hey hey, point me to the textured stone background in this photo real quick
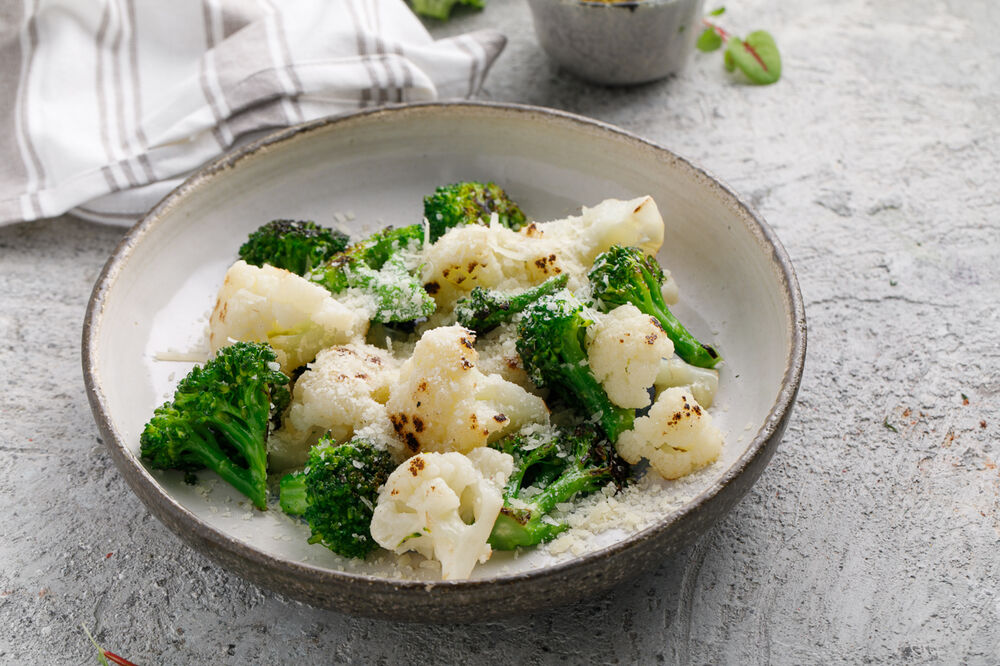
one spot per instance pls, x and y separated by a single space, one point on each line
873 535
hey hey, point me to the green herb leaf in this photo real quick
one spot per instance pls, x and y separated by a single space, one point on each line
757 57
717 12
729 62
888 425
709 41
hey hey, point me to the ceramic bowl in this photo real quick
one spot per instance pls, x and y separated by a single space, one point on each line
618 43
373 168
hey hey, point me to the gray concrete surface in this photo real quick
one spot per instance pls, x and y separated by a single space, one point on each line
872 537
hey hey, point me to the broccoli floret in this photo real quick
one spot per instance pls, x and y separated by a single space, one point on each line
296 246
385 244
485 309
336 494
547 472
372 253
469 203
550 341
623 275
399 296
441 9
219 419
374 266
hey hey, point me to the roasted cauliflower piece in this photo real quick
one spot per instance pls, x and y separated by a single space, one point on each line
702 382
635 223
268 304
343 391
443 505
443 402
676 436
624 348
493 257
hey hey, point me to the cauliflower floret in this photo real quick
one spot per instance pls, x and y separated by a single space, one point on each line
268 304
495 468
488 256
676 436
702 382
342 391
635 223
443 505
624 349
670 291
442 402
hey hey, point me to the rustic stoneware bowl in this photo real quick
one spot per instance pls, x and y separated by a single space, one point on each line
372 168
618 43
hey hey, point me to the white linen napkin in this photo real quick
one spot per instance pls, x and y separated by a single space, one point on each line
109 104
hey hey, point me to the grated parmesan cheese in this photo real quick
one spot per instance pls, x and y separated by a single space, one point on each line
175 356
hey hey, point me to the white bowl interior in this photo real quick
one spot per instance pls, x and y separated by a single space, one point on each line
376 169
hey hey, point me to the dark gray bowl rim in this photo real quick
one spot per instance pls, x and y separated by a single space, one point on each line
163 505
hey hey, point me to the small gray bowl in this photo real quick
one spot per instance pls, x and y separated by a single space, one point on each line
618 43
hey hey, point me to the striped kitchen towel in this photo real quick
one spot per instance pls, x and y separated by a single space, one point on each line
109 104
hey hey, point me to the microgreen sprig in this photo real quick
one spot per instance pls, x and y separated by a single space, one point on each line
756 56
104 657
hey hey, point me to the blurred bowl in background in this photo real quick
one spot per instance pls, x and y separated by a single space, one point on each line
618 43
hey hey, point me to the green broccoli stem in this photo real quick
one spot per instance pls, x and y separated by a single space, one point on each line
510 532
685 344
576 373
555 471
484 310
294 498
204 447
247 439
574 480
613 420
524 527
523 464
532 294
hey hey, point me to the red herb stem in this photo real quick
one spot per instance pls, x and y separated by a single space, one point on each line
121 661
718 30
725 37
756 55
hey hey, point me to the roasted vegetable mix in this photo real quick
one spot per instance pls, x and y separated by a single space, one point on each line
462 383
